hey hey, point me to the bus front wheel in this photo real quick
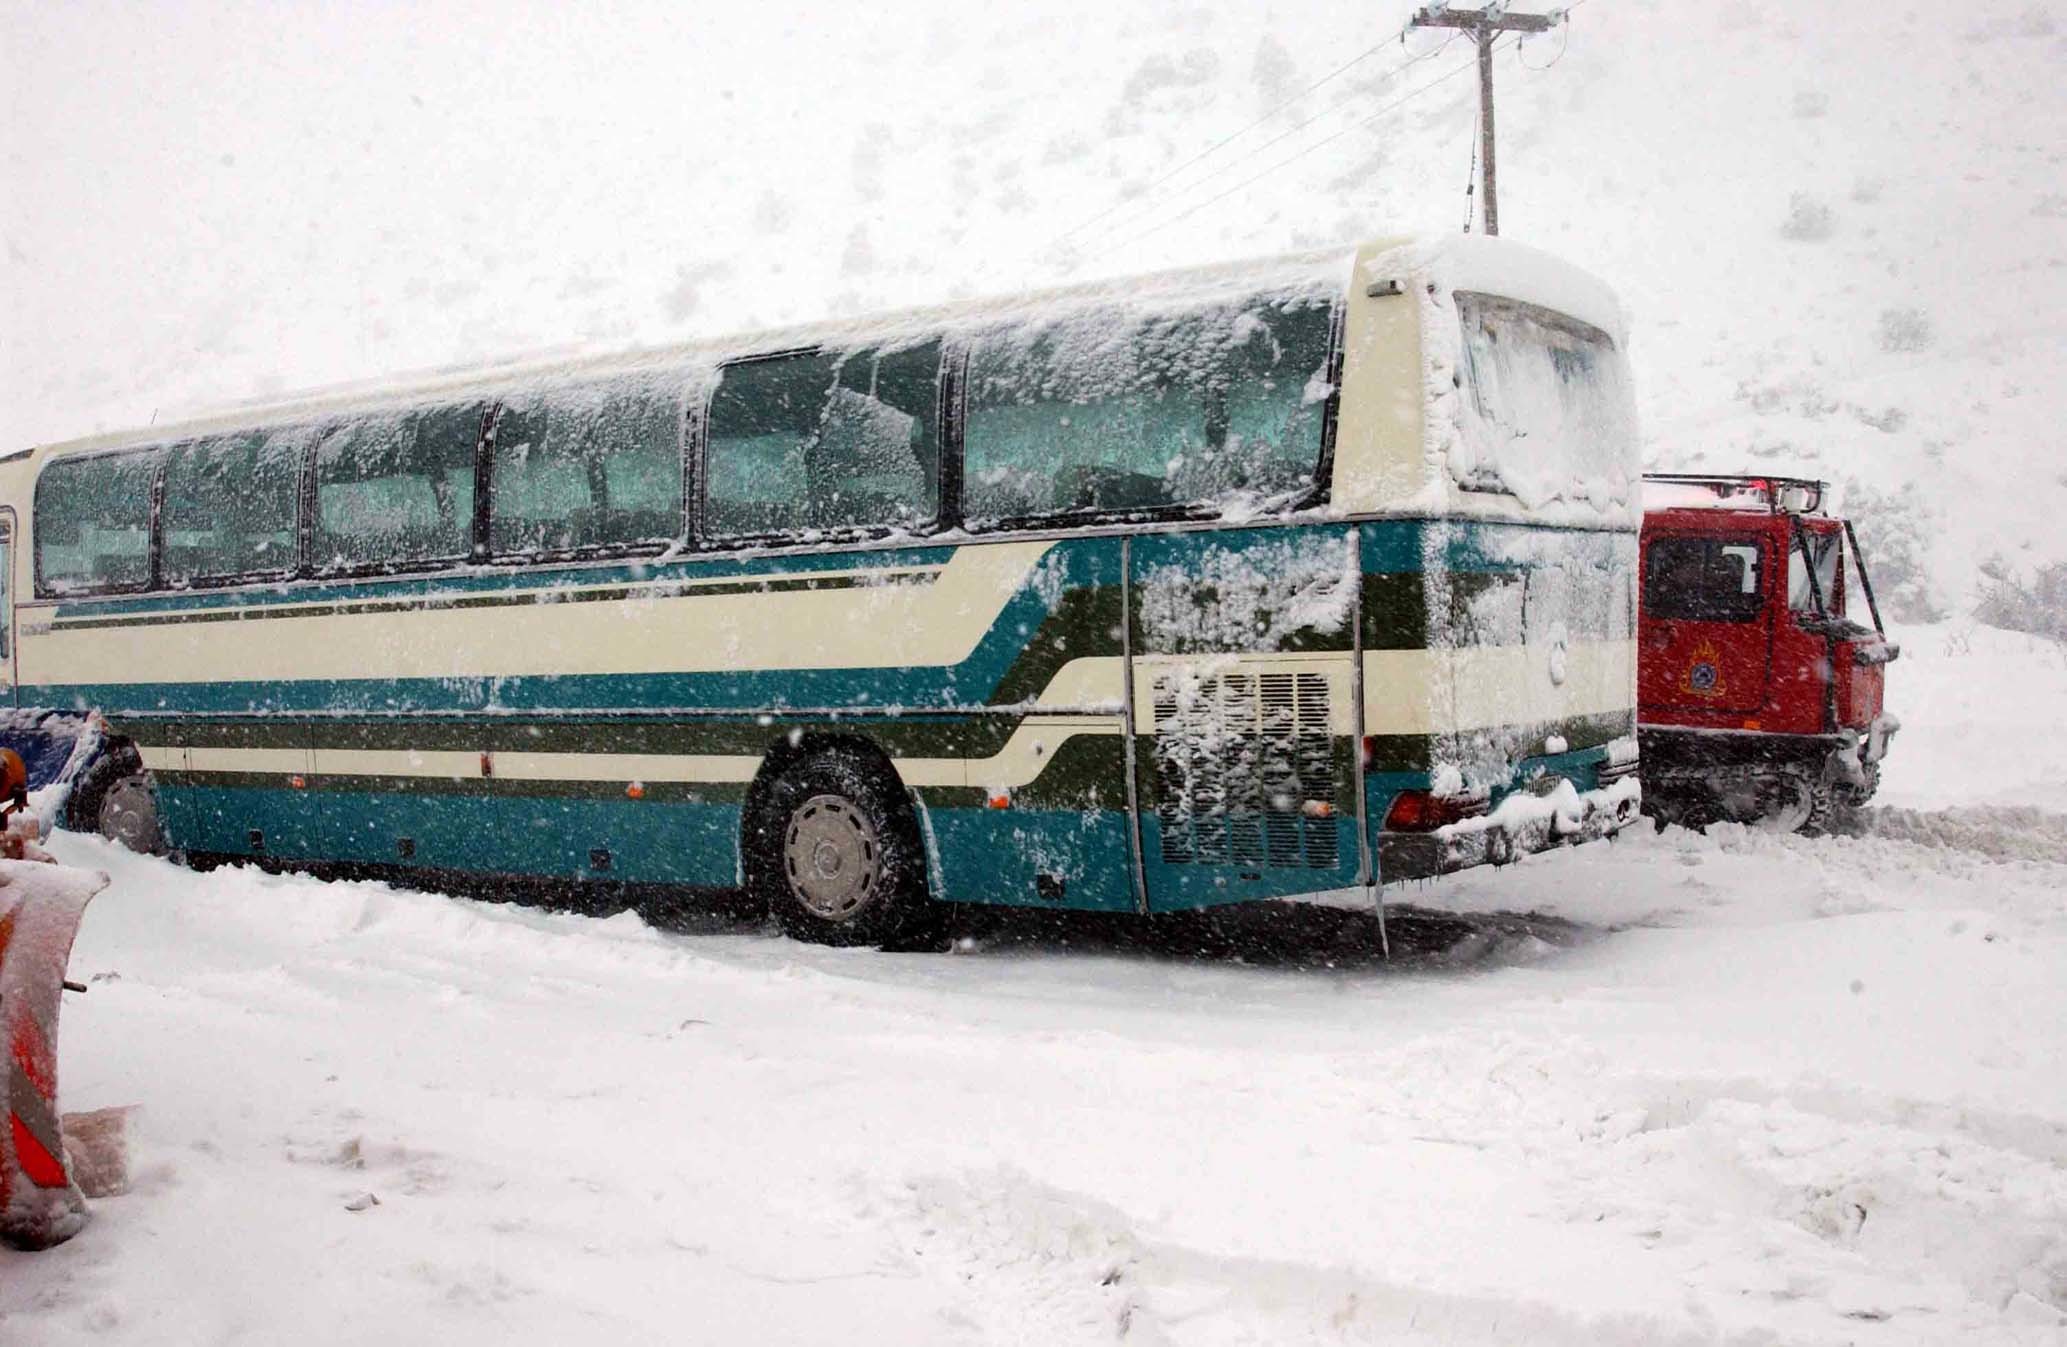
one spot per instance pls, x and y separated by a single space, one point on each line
837 855
129 815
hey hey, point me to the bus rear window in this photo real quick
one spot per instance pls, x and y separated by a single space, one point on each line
93 523
1548 413
1704 579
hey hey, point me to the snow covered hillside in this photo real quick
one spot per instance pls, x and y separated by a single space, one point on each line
1841 229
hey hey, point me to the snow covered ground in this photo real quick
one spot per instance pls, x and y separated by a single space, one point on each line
1735 1088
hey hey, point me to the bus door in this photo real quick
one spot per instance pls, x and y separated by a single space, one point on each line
1707 626
1240 673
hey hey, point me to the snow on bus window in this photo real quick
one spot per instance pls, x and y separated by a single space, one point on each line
1115 410
825 440
231 505
93 522
1547 413
1236 594
397 489
590 466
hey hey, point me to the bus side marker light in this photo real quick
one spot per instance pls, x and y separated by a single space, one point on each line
487 763
298 782
636 790
1318 808
1752 725
1001 800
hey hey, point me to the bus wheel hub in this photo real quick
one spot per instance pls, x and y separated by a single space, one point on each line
832 855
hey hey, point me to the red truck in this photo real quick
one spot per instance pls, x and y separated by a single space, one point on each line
1759 698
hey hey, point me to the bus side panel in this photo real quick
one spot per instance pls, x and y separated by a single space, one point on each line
1244 716
1037 815
641 842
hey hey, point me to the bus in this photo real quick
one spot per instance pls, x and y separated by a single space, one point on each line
1258 581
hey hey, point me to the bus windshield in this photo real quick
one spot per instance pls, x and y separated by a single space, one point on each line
1547 411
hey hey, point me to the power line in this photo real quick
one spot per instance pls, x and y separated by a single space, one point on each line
1152 206
1227 140
1471 176
1564 40
1322 143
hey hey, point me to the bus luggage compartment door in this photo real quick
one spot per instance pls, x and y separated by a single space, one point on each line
1240 652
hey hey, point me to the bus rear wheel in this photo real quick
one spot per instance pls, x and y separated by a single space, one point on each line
837 857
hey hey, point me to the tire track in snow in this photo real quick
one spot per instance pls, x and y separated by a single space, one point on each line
2006 834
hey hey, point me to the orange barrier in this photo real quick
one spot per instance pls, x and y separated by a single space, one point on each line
40 908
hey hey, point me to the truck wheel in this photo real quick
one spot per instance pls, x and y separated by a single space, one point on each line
129 815
1798 803
1855 797
839 860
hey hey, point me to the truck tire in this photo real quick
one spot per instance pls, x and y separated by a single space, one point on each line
1798 803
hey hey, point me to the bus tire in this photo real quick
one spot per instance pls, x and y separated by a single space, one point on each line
836 853
117 761
128 814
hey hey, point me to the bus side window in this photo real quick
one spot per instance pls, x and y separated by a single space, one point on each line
825 440
1116 411
596 466
93 523
397 489
231 506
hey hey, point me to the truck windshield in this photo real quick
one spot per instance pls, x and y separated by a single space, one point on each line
1801 596
1704 579
1547 412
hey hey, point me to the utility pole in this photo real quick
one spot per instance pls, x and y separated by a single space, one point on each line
1486 25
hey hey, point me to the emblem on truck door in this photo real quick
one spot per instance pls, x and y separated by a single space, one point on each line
1704 672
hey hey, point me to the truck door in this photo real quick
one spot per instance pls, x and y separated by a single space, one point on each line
1706 624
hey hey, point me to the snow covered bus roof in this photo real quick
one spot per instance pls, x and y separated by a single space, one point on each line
1471 263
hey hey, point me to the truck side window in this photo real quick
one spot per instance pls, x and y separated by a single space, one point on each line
1705 579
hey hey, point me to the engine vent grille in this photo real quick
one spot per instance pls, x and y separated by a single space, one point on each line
1245 770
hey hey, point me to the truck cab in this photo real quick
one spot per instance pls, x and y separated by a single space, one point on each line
1759 692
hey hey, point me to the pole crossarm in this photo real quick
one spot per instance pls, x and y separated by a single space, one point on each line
1491 19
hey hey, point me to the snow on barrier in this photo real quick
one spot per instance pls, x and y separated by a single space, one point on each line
40 908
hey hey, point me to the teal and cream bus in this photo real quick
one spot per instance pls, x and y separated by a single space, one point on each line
1268 580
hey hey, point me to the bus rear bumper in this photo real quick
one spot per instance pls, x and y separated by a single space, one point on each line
1522 824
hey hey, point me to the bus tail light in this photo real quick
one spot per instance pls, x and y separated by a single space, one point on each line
1423 811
